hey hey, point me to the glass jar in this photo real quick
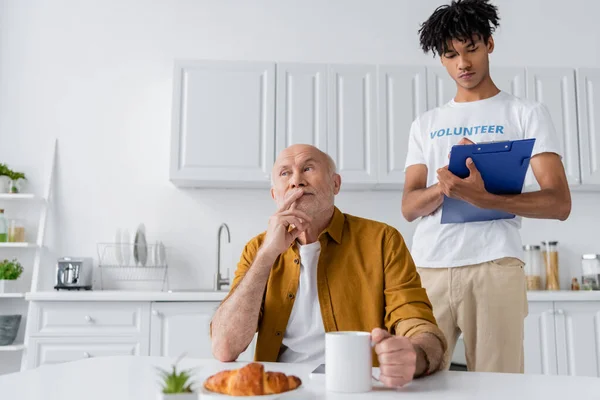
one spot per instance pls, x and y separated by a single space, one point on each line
16 231
14 186
550 257
533 267
3 227
590 272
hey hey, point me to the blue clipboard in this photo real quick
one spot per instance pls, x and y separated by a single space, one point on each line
502 165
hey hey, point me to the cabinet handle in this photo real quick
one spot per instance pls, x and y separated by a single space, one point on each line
88 318
560 312
86 354
156 313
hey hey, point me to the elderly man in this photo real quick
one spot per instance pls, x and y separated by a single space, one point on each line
317 270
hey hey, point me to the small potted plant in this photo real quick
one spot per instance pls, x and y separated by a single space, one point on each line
4 171
10 271
176 385
13 184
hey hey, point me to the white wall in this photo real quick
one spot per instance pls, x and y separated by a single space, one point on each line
98 76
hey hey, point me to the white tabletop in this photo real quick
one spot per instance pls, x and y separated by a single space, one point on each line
213 296
133 378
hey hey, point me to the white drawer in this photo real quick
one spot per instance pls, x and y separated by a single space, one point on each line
90 318
59 350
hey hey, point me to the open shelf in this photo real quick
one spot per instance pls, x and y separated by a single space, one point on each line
17 244
12 295
13 347
17 196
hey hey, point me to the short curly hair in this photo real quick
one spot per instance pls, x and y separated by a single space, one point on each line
461 20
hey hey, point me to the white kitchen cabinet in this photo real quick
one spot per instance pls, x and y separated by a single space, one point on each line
560 338
61 331
352 123
301 111
441 88
223 124
89 319
563 338
577 338
55 350
402 98
588 82
555 88
540 339
510 79
183 328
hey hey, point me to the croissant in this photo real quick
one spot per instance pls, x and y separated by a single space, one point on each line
251 380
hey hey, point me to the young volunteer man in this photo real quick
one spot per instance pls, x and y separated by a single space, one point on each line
473 272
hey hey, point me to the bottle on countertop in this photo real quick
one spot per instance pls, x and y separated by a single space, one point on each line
533 267
3 227
574 284
550 257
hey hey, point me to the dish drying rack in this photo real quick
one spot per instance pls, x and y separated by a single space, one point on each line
121 267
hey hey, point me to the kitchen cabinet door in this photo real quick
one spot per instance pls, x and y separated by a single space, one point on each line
588 82
301 111
352 124
223 124
510 80
441 88
402 98
578 338
540 339
555 87
54 350
183 327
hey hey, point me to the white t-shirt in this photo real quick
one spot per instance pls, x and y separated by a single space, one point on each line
501 117
305 335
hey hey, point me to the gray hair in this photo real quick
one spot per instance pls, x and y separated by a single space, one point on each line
330 163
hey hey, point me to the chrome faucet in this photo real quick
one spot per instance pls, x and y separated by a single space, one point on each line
219 281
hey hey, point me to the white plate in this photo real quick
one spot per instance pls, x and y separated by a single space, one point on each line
140 246
126 247
162 254
154 255
118 254
298 393
142 249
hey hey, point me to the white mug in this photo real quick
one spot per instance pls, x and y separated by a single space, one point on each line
348 362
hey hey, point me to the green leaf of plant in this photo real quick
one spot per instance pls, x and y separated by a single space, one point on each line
10 269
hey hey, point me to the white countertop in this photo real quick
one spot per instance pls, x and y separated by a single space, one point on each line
117 295
208 295
564 295
133 378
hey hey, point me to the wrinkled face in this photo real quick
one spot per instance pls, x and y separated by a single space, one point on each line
468 62
304 167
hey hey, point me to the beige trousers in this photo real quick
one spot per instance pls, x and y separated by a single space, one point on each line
486 302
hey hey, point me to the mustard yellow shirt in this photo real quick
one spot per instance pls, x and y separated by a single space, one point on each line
366 278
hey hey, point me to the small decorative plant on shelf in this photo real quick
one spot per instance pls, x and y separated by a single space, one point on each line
4 171
10 271
176 385
13 176
13 184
